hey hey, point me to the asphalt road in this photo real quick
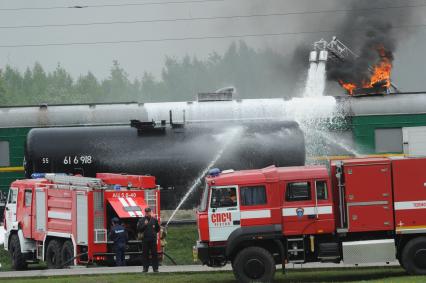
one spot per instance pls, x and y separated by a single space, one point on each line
163 269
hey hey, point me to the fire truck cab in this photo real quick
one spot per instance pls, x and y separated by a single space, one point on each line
64 220
365 210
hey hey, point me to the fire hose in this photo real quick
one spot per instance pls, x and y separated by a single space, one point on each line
71 259
163 235
170 258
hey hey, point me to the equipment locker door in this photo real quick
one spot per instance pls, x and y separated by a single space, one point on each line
27 212
369 197
224 212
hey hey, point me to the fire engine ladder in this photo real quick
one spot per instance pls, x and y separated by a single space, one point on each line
342 201
64 181
151 199
338 50
296 250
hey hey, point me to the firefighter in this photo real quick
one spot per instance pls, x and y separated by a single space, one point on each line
148 226
230 199
118 235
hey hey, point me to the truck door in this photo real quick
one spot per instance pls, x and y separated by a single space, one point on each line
298 208
307 208
224 212
11 208
27 213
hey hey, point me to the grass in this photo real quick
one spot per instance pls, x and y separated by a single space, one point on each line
180 240
373 275
6 264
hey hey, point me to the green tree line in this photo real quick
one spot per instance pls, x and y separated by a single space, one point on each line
254 73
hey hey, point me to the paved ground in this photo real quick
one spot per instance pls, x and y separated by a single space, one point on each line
163 269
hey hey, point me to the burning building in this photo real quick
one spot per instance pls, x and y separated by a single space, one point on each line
378 82
340 58
363 64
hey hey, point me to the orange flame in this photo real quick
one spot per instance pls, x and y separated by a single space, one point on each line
381 73
350 87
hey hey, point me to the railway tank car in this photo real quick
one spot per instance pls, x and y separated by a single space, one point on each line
176 154
16 122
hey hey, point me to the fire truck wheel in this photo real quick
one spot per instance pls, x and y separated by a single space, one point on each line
67 253
53 254
254 264
18 259
414 256
400 262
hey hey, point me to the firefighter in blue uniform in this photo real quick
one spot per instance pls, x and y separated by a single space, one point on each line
148 226
118 235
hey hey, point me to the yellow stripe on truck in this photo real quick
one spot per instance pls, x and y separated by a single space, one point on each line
410 227
334 157
11 169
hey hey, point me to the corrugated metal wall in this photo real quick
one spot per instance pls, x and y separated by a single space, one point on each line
363 128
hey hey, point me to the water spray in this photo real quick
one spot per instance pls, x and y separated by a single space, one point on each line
230 135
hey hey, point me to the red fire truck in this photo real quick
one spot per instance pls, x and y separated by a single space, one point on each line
64 220
357 211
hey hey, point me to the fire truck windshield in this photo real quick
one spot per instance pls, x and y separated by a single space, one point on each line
204 199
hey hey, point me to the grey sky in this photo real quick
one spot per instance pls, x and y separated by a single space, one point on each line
137 58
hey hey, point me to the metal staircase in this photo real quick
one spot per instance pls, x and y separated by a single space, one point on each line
296 250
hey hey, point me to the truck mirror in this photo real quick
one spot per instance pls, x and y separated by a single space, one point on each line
214 202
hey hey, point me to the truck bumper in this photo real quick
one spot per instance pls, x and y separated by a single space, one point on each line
210 256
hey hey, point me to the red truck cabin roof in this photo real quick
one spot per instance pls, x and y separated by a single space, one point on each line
269 174
29 182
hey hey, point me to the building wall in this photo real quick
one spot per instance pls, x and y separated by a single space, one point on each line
363 128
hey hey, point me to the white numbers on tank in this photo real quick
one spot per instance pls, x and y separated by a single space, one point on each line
86 159
45 160
78 160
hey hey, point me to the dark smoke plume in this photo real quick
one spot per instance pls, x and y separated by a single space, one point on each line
370 34
362 30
